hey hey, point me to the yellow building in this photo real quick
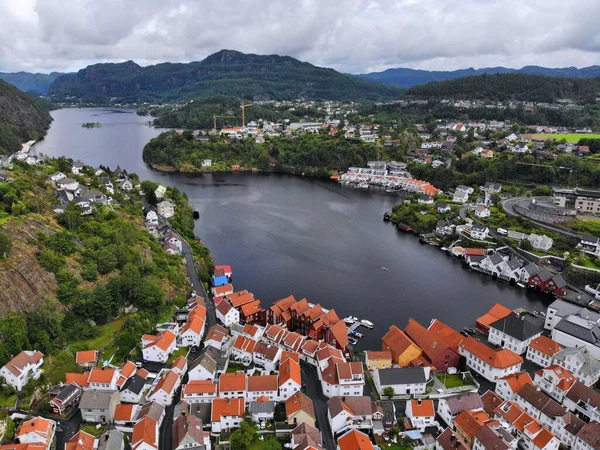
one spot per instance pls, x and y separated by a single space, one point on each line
403 349
378 360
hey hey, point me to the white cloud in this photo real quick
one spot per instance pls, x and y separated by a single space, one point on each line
348 35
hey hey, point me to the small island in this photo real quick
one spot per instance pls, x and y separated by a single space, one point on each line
91 125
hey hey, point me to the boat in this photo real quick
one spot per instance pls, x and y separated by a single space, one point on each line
521 284
384 268
404 227
352 341
349 320
392 191
362 185
444 249
367 323
387 216
356 334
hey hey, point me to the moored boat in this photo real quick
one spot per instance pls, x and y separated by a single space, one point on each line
387 216
367 323
404 227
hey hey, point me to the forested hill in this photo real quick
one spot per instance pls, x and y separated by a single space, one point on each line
227 72
21 118
37 83
501 87
407 78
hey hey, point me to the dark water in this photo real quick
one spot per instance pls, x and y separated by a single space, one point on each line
311 238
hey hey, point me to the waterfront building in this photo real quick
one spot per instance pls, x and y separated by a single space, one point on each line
378 359
491 364
435 351
541 351
515 332
405 381
403 349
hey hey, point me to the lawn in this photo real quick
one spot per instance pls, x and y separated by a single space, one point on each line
234 367
105 338
4 219
180 352
56 366
7 401
91 428
452 381
568 137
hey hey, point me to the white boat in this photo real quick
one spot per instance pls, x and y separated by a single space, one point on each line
367 323
349 320
362 185
521 285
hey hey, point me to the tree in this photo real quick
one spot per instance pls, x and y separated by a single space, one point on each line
5 246
271 443
525 245
244 436
389 392
9 432
394 431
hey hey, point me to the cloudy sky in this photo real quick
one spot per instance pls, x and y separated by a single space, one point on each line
348 35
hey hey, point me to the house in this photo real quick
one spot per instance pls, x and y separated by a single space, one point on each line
490 364
450 407
547 282
435 350
541 351
227 413
233 385
583 150
160 192
216 336
345 413
242 349
528 271
354 440
166 209
81 441
540 242
266 355
299 409
583 401
449 440
443 227
468 423
260 386
35 431
378 359
77 167
227 314
126 185
188 433
165 389
527 429
560 309
580 363
158 348
489 438
421 413
340 378
482 212
566 427
127 371
515 332
555 381
290 378
496 313
68 184
588 437
539 405
306 437
262 409
57 176
460 196
199 391
132 390
404 380
443 208
23 367
508 386
212 362
64 398
145 434
580 330
590 244
403 349
191 333
480 232
87 358
425 200
221 291
98 406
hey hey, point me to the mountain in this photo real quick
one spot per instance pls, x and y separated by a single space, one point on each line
21 118
410 77
37 83
502 87
227 72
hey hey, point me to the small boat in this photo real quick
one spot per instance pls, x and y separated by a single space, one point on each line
521 284
362 185
349 320
384 268
196 215
387 216
392 191
356 334
444 249
367 323
404 227
352 341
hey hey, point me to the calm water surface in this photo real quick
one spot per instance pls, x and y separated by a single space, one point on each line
290 235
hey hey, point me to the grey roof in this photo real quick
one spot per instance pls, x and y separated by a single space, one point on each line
587 334
490 185
532 269
495 258
521 328
261 407
490 440
513 264
152 409
94 399
588 365
458 403
592 239
442 206
564 308
476 258
66 391
402 375
581 392
66 181
111 440
559 281
478 227
134 384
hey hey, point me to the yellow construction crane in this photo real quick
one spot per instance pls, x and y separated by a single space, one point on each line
244 113
215 121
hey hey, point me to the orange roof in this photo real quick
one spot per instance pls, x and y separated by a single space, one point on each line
422 408
145 431
251 308
222 407
373 355
81 441
427 341
355 440
497 312
239 300
80 379
37 425
180 363
397 341
229 382
200 387
475 251
222 290
285 355
299 401
471 421
163 340
289 370
198 311
262 383
244 344
167 382
542 439
86 357
124 413
282 305
546 345
340 333
517 380
500 359
567 379
103 375
143 373
194 325
447 334
128 369
250 329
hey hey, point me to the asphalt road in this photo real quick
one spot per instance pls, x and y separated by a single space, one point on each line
314 391
69 428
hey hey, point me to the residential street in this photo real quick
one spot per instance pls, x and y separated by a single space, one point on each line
313 390
509 208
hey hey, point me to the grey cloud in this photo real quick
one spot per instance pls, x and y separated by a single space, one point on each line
348 35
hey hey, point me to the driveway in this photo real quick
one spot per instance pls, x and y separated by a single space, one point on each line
314 391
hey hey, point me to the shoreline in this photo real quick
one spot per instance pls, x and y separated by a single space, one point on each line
304 172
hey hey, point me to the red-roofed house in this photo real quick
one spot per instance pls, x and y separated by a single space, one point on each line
447 334
341 378
555 381
145 434
496 313
21 368
227 413
252 312
491 364
158 348
262 386
403 349
222 291
242 349
354 440
36 431
232 385
87 358
199 391
81 441
290 378
227 314
103 379
435 350
421 413
541 350
193 330
279 312
508 386
165 389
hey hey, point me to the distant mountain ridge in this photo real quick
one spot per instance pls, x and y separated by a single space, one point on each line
407 78
227 72
37 83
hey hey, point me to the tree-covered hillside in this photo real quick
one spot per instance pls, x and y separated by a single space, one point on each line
502 87
21 119
227 72
37 83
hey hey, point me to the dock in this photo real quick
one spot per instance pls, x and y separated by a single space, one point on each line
355 326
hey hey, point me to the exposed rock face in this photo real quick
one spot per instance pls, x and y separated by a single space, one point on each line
24 284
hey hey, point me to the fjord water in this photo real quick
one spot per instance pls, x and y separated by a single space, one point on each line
285 235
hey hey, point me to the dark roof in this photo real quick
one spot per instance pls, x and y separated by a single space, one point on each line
261 407
134 384
591 335
590 434
513 264
580 391
495 258
491 401
478 227
387 407
540 401
402 375
66 391
153 410
490 439
531 269
458 403
449 440
521 328
559 281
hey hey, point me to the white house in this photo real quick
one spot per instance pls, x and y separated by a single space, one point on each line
340 378
554 381
146 433
158 348
482 212
103 379
152 217
540 242
166 209
23 367
460 196
421 413
541 351
36 431
242 349
346 413
490 364
480 232
515 332
58 176
133 389
559 309
188 433
580 363
262 386
165 389
450 407
227 413
206 162
266 356
160 192
191 333
227 314
566 427
508 386
290 379
199 391
577 330
587 438
67 184
216 336
77 167
405 381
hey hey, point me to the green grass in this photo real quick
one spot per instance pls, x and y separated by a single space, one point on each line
395 446
7 401
90 428
452 381
234 367
585 260
176 354
572 137
105 338
56 366
4 219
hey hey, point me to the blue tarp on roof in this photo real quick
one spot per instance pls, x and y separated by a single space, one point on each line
220 281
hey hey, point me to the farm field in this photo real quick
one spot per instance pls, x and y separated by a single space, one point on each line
568 137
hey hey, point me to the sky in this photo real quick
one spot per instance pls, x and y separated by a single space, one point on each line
354 36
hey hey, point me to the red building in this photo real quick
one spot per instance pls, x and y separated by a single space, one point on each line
435 350
279 312
545 281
